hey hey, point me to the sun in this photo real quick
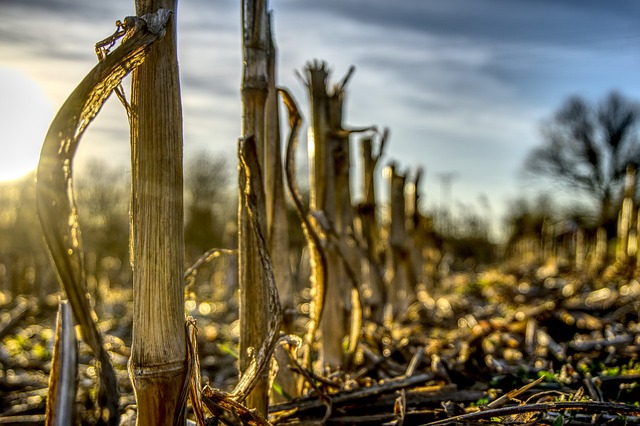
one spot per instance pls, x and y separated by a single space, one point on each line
25 115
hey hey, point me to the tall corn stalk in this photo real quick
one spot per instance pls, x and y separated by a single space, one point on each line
330 204
254 312
402 282
277 221
158 364
277 224
369 229
417 228
324 202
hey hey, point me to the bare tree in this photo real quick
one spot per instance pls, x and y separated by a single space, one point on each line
588 147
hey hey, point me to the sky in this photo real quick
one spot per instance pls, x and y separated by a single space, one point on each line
463 85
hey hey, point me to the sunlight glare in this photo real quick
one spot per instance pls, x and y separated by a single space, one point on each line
25 115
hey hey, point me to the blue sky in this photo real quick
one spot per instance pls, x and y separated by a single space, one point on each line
463 85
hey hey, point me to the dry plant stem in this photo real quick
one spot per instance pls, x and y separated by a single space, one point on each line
102 50
329 196
64 368
356 321
342 256
276 215
277 221
255 78
369 232
254 315
195 386
318 133
312 380
259 363
400 408
590 406
417 235
402 280
158 363
347 254
509 396
253 298
318 257
55 198
216 401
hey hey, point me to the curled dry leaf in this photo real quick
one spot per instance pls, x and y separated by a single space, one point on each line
55 199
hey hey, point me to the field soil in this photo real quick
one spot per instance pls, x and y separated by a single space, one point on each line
512 344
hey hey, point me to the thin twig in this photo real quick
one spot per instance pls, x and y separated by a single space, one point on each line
591 406
513 394
304 404
208 256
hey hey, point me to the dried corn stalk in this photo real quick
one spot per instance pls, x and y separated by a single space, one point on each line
369 231
254 313
401 279
277 222
333 216
158 366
